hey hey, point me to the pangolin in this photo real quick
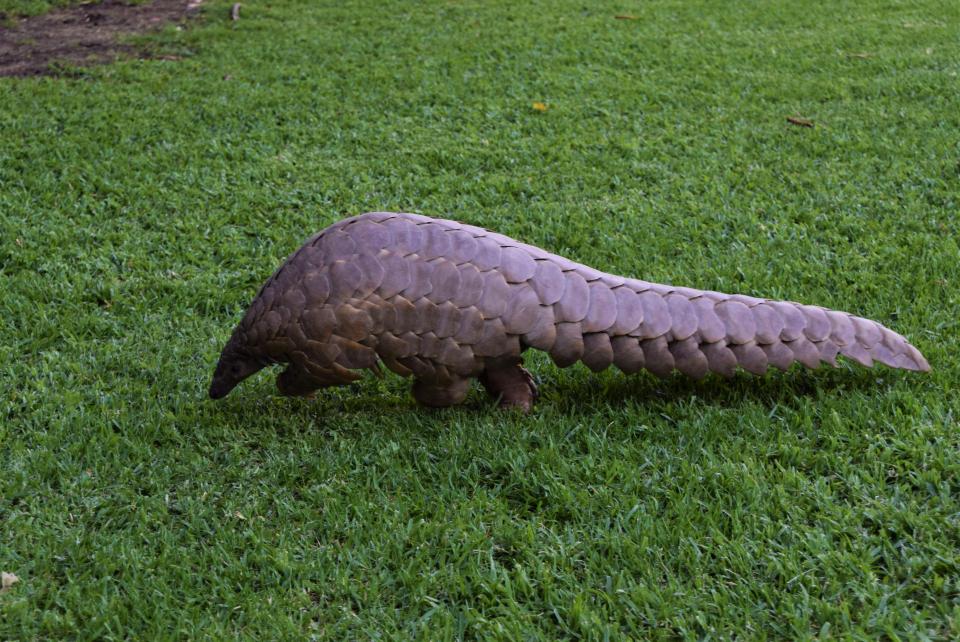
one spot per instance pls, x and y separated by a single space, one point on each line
445 302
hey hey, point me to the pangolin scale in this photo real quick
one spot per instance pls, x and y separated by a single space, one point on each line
444 302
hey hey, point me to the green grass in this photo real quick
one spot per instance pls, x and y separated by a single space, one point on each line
142 204
11 9
22 8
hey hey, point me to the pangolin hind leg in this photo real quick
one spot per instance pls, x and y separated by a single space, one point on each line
510 383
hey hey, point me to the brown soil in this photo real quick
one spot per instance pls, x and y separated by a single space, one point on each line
82 35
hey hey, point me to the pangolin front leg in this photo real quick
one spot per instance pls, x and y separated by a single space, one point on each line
295 381
446 302
440 394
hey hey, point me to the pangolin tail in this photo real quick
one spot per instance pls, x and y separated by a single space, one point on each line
699 332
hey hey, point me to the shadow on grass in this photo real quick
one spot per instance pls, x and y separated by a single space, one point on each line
775 388
576 393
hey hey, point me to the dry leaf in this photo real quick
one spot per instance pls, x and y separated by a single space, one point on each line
240 516
7 580
540 106
800 122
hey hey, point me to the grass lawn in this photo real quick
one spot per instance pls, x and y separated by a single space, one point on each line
143 203
10 9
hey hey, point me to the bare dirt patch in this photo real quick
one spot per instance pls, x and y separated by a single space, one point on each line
82 35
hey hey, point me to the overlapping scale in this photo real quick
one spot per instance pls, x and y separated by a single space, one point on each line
471 286
627 354
842 331
543 333
597 351
738 321
575 301
683 317
548 282
778 355
688 358
656 315
710 327
657 356
523 310
769 323
516 265
720 358
818 325
495 296
409 238
793 320
438 242
444 279
420 280
369 234
750 357
629 311
488 254
568 346
602 308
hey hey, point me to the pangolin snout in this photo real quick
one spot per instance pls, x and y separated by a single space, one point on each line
220 389
234 366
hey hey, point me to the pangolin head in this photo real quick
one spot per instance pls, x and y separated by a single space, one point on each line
237 362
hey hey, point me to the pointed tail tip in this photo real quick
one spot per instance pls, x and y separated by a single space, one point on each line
921 364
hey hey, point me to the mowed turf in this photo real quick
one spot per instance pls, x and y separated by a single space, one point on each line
143 203
11 10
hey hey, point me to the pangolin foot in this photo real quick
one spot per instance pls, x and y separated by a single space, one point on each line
512 384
